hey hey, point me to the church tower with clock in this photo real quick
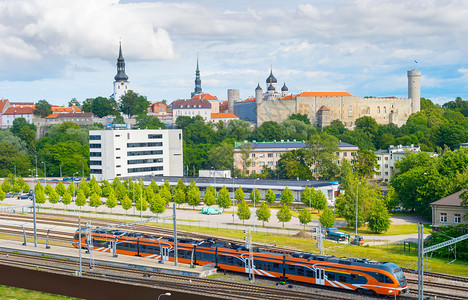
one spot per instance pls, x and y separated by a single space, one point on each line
121 84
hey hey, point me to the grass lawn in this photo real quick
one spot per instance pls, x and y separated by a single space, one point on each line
390 253
392 230
7 292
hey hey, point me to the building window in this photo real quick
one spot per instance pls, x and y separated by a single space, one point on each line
253 164
148 152
154 136
443 217
457 219
261 155
278 154
117 135
145 169
144 161
386 173
345 154
94 146
270 163
152 144
337 153
253 154
95 154
96 171
270 154
117 149
386 165
262 163
95 162
94 137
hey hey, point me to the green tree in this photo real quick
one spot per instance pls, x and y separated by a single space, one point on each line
100 106
48 189
106 188
84 187
193 195
111 201
2 194
133 104
209 198
40 197
25 187
165 194
305 217
255 196
94 187
126 203
37 187
60 188
319 201
287 196
326 218
141 204
263 213
16 187
118 120
157 205
378 218
239 194
54 198
72 189
270 196
295 164
322 156
95 201
284 214
6 186
365 163
179 196
181 186
243 211
149 122
42 108
246 160
66 198
221 157
73 101
301 117
154 186
80 199
224 199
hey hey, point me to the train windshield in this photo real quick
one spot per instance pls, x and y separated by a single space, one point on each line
400 277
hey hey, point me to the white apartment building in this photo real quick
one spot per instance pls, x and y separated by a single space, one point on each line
386 160
135 153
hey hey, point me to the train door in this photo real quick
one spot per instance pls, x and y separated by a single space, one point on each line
320 276
165 253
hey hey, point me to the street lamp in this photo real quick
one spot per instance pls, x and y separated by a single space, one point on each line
357 199
76 173
214 177
45 172
15 168
255 200
166 294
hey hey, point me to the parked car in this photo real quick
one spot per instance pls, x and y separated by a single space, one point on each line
211 211
77 179
334 234
65 179
25 196
358 240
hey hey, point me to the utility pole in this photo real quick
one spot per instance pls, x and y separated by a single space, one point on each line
174 218
249 264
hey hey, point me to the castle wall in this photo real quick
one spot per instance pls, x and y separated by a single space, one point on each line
345 108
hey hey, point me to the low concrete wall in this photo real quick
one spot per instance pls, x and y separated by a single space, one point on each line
73 286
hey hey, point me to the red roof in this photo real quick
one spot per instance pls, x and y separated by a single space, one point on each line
52 116
22 103
224 116
75 115
3 102
323 107
12 110
205 97
56 109
252 99
191 103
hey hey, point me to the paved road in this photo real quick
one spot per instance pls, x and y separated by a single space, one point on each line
188 216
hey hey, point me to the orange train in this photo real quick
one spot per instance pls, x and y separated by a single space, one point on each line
360 275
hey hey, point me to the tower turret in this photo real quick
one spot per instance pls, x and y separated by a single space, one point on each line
284 90
258 94
198 88
121 84
271 79
414 89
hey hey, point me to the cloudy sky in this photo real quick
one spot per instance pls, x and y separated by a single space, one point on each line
62 49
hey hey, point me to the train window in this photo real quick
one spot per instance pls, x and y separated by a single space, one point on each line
267 267
275 265
222 258
331 276
310 273
230 260
258 265
291 267
240 263
300 271
342 278
385 279
354 276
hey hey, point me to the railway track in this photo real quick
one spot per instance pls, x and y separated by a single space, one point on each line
222 289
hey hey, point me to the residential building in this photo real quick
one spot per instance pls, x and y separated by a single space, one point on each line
80 118
386 160
215 103
191 108
449 211
15 112
158 109
135 153
225 117
4 105
269 153
71 109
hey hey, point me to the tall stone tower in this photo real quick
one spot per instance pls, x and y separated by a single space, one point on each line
233 96
258 94
414 89
121 84
198 88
